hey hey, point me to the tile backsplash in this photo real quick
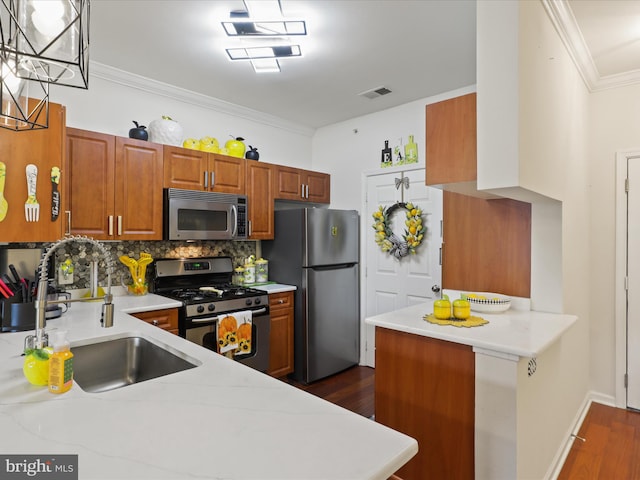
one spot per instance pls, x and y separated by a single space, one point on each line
81 254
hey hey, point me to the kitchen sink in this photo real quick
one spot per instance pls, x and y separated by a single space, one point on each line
110 364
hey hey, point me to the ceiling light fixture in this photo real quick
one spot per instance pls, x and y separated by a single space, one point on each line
24 102
264 59
263 19
244 28
50 39
252 53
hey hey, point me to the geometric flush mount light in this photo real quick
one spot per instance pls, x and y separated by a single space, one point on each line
245 28
24 101
49 38
264 59
259 21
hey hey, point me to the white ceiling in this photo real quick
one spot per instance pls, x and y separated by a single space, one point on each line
416 48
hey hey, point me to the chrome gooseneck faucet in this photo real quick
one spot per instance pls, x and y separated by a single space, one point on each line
40 339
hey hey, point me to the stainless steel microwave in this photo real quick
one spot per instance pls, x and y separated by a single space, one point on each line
197 215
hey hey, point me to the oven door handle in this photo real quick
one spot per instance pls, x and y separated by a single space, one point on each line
215 319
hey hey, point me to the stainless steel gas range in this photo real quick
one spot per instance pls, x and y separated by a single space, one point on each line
203 285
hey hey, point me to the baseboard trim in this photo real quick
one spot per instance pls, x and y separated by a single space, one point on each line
561 455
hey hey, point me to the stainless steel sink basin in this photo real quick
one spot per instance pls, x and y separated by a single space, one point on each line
107 365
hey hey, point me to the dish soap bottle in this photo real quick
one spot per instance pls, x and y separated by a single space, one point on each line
60 364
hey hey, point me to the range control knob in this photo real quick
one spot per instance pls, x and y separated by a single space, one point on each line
248 302
258 301
200 308
211 307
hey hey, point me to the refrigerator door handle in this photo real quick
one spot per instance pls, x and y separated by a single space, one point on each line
333 267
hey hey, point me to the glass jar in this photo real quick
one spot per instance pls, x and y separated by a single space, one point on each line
238 276
249 274
262 270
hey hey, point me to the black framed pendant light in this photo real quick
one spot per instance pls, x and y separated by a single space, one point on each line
50 39
24 101
43 42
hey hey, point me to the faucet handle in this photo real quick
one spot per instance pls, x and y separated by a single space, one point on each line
31 343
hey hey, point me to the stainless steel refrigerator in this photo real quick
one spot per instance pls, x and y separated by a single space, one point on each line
317 250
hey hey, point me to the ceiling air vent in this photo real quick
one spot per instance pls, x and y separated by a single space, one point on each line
375 92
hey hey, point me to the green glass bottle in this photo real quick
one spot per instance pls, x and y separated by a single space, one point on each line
411 151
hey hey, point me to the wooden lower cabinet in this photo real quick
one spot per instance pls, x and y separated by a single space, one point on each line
425 388
281 336
166 319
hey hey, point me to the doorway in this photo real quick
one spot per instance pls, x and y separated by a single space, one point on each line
628 280
391 283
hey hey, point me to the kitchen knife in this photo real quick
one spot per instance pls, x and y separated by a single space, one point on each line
14 272
55 194
10 283
5 290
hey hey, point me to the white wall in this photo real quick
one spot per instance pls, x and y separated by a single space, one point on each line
345 154
115 98
614 120
551 112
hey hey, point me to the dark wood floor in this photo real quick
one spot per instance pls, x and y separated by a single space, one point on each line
611 450
351 389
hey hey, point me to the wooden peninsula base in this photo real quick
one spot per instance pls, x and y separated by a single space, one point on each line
425 388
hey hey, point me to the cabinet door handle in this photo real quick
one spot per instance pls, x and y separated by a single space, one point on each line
249 224
307 192
206 179
213 179
119 224
155 322
68 213
302 190
281 301
110 232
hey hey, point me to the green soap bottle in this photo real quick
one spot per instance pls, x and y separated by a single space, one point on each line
411 151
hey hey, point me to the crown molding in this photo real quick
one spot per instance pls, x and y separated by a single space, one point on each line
131 80
567 27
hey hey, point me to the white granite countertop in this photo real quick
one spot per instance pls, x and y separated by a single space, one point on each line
218 420
523 333
276 287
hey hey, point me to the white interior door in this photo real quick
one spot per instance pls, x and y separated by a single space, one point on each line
633 282
391 284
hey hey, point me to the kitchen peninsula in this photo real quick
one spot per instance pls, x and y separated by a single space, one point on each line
218 420
462 392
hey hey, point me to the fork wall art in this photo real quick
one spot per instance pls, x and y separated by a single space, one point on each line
31 206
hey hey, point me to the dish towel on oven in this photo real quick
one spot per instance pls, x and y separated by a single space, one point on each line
234 333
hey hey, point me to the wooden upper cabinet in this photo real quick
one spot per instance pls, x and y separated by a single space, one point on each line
184 168
45 149
138 190
115 186
486 245
197 170
302 185
91 175
260 189
318 187
228 174
451 141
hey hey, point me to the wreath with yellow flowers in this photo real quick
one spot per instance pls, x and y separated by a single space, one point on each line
413 234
